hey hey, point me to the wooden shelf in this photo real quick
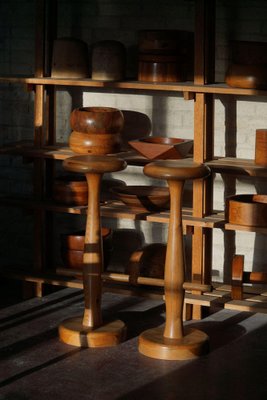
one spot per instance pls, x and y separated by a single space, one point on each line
255 299
237 166
61 152
216 88
229 165
116 209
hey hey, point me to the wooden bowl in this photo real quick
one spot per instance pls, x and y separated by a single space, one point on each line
72 248
247 209
97 120
146 198
89 143
71 190
148 261
247 76
75 241
162 147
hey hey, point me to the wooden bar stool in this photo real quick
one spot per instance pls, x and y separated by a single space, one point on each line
89 330
173 341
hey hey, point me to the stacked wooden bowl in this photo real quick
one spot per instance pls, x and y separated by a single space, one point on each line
70 190
96 130
165 55
72 248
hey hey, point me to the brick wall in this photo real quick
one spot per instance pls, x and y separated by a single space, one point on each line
236 119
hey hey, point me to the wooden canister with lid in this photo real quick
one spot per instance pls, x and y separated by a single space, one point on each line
261 147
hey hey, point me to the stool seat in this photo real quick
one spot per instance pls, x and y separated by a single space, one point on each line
176 169
94 164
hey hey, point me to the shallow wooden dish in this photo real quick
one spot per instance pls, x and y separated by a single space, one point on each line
247 209
162 147
147 198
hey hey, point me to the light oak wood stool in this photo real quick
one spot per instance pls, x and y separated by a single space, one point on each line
89 330
173 341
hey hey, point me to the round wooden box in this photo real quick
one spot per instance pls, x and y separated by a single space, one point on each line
247 209
159 68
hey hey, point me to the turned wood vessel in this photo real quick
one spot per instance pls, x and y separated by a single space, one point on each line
159 68
146 198
147 261
70 190
70 59
247 209
108 60
96 130
72 248
247 76
156 147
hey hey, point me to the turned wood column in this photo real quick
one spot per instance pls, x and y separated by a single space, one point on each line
172 341
90 330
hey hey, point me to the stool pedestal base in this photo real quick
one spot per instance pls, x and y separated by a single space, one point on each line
73 332
193 344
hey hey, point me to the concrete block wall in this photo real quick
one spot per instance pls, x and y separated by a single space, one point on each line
236 119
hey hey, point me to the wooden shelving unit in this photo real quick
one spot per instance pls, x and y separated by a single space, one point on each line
44 150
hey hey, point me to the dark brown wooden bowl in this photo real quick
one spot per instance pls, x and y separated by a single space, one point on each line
97 120
71 190
75 241
247 209
148 261
162 147
146 198
247 76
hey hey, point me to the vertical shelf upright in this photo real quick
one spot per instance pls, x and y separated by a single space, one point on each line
203 139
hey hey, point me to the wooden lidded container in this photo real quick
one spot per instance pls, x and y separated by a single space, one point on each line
165 55
70 59
248 67
108 60
261 147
